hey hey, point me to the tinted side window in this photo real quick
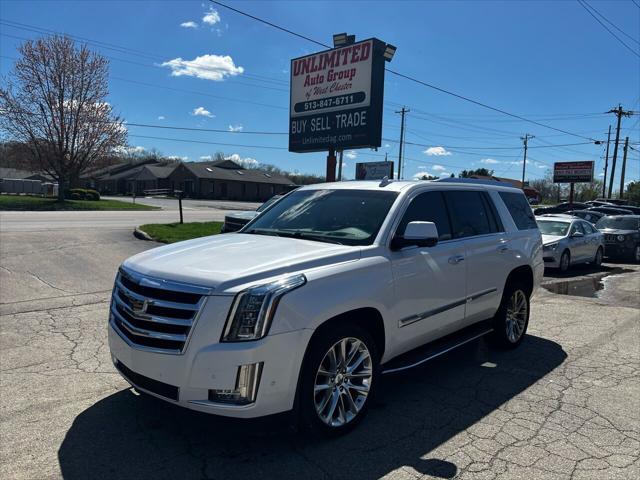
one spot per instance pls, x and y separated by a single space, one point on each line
428 207
587 228
469 215
576 227
519 209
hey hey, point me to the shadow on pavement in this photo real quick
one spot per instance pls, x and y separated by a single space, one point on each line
587 269
130 436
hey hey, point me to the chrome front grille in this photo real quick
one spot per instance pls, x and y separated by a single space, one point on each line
154 314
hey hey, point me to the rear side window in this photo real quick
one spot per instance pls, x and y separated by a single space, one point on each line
428 207
471 214
519 209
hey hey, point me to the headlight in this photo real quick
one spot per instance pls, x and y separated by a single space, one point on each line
620 238
253 309
552 246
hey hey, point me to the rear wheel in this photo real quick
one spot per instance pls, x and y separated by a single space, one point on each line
565 261
338 380
512 318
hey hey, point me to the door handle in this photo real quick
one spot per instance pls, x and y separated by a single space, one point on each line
456 259
502 248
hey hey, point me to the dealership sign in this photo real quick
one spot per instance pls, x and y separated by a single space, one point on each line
336 98
573 172
374 170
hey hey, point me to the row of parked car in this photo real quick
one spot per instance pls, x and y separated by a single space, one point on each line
574 233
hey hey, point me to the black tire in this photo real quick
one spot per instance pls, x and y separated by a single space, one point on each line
500 336
597 261
316 354
565 264
635 256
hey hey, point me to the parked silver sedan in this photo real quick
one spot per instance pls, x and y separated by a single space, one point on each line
568 241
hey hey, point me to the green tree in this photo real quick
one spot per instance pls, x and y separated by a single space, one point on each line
482 172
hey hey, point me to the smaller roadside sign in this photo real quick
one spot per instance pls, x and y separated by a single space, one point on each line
374 170
573 172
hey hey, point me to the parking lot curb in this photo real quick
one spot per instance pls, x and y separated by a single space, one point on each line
141 235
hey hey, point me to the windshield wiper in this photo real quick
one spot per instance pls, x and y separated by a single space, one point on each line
310 236
263 231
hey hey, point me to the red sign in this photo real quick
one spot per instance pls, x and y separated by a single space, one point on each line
573 172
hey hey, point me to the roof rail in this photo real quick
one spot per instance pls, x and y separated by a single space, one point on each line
477 181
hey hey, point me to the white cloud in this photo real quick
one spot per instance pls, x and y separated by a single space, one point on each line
419 175
422 167
386 145
207 67
129 150
351 154
161 117
235 128
211 17
189 24
489 161
245 162
439 168
206 158
601 174
177 157
202 112
541 166
437 152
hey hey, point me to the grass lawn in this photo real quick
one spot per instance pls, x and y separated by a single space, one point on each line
25 202
175 232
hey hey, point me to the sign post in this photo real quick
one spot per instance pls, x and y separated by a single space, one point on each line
336 100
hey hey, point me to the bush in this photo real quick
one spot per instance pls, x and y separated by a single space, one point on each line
82 194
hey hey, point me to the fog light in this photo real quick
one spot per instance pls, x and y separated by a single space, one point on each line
246 391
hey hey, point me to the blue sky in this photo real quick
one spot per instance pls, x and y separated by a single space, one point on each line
546 60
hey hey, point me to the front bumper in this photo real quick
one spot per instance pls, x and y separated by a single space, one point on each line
186 379
619 249
551 258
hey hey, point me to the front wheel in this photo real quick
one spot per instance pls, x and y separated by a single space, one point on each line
339 377
512 318
597 261
565 261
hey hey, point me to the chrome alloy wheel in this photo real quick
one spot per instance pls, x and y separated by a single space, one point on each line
517 312
343 381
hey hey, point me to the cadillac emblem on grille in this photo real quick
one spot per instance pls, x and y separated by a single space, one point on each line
139 307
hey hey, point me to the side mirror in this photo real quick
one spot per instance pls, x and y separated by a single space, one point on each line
577 234
420 234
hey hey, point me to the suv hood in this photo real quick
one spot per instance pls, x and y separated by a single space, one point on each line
224 261
547 239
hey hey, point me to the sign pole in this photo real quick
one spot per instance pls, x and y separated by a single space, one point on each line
340 166
571 193
331 165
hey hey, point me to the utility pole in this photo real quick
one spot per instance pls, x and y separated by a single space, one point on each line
524 161
340 166
624 165
606 164
401 112
619 112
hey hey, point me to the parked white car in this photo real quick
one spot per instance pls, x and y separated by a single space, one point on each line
334 285
569 240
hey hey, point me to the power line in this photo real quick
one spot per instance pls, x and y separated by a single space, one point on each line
407 77
610 22
184 140
586 7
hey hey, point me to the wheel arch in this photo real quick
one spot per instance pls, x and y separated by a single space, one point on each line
524 274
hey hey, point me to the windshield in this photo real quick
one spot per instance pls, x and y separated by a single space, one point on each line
553 228
264 206
618 223
349 217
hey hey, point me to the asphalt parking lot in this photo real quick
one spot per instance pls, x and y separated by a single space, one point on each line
564 405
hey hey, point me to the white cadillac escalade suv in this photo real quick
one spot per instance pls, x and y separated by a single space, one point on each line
323 292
